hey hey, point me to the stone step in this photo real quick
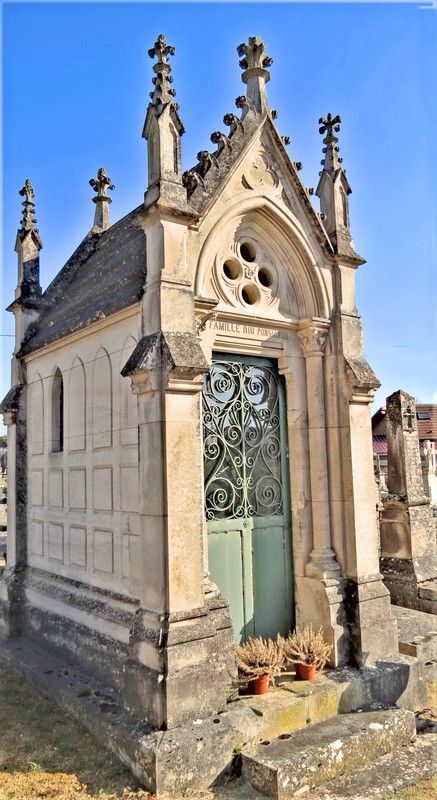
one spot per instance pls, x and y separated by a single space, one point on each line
297 762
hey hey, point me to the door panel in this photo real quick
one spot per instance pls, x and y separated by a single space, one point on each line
247 493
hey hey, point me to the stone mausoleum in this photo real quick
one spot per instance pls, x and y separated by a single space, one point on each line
189 420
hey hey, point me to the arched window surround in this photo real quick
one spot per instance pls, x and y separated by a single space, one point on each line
57 412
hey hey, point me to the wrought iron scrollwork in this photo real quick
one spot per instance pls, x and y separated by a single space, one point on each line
242 447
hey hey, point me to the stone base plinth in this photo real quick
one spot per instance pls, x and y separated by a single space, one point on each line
412 583
372 627
320 602
407 531
197 673
168 670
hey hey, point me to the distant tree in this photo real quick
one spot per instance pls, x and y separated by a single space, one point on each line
3 441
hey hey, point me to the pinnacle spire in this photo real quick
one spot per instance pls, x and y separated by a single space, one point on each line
333 189
255 74
162 130
163 92
28 222
28 245
101 184
330 125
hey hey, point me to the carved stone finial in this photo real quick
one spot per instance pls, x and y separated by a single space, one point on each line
101 184
191 179
221 140
206 160
161 50
233 123
253 53
28 222
328 126
245 103
255 74
163 93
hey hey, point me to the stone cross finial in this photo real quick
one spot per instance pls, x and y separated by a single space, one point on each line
101 184
28 221
329 126
255 74
162 93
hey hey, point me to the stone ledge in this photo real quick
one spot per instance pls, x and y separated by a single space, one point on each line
194 756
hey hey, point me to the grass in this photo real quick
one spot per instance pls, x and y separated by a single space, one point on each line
45 753
424 790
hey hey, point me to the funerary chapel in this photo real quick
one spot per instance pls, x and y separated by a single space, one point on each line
190 457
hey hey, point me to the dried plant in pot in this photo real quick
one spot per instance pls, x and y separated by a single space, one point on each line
259 661
307 650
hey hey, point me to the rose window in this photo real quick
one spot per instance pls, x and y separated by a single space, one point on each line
248 276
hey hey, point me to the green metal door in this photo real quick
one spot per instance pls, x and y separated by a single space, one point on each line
247 493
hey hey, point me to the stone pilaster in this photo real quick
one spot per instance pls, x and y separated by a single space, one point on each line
312 335
372 627
319 593
180 648
13 408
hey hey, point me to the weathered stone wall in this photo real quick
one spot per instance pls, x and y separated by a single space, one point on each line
83 516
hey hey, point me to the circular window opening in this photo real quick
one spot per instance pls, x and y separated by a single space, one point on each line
250 294
265 277
248 251
232 270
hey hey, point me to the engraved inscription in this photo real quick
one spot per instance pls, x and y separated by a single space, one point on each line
249 330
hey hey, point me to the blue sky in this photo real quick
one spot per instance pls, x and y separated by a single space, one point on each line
76 82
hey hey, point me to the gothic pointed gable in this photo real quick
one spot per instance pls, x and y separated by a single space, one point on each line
252 140
260 199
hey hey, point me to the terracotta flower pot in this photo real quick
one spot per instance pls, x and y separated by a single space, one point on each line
259 685
305 672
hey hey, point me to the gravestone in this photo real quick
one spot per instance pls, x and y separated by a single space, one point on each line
430 472
407 525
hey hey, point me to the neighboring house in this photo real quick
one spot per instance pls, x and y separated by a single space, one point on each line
426 415
190 454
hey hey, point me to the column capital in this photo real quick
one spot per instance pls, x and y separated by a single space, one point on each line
312 335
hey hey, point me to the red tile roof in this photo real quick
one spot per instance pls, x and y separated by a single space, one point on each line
427 428
380 444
